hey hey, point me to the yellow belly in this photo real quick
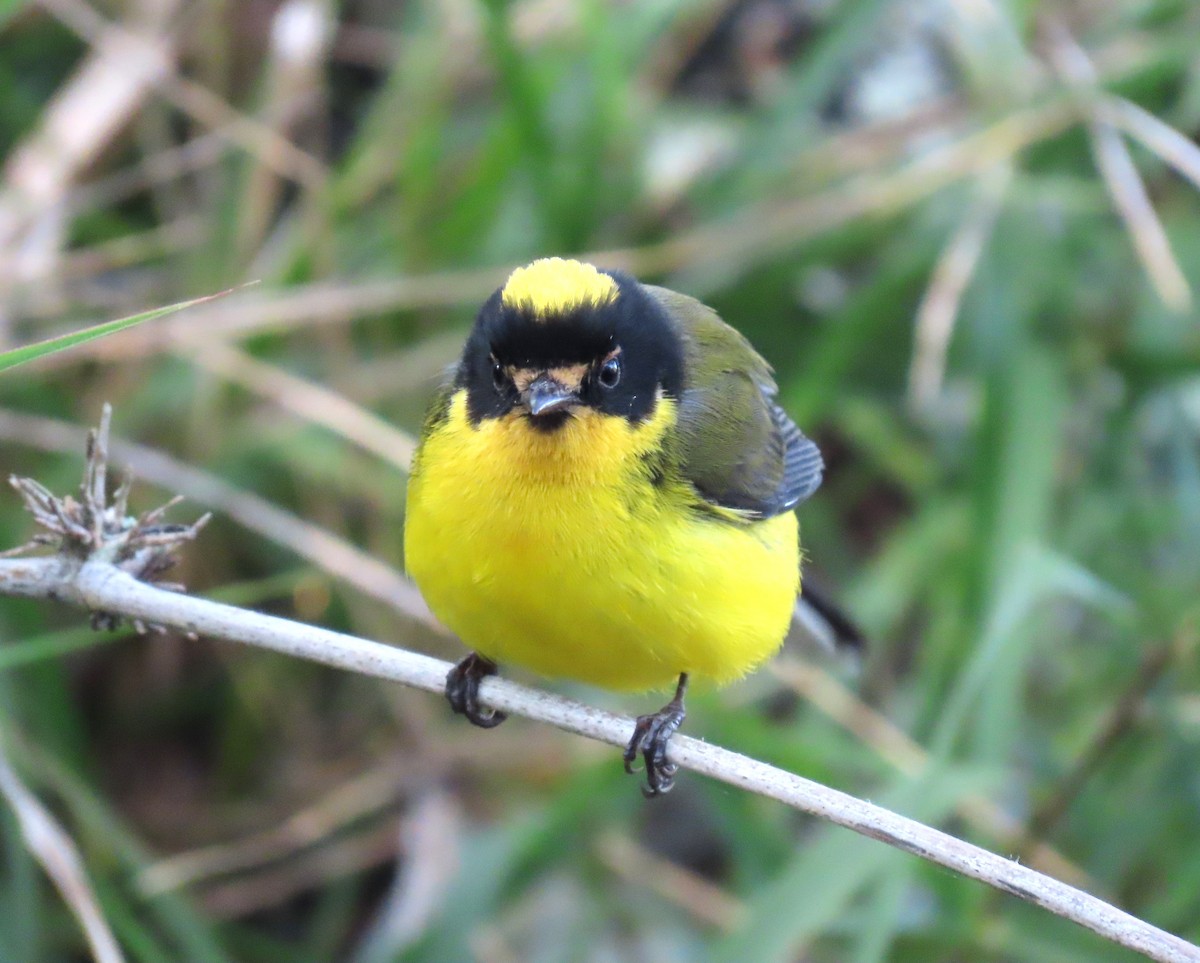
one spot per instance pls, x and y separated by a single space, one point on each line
556 552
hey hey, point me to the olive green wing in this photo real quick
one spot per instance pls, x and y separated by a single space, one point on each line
737 447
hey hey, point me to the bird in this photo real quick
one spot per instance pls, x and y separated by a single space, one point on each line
604 491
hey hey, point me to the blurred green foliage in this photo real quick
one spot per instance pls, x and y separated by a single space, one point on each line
1012 511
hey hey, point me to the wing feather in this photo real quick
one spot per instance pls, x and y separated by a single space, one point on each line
803 466
738 447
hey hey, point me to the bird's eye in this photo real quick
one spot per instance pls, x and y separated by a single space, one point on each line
499 378
610 372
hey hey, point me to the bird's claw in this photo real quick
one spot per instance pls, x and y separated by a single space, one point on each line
651 735
462 691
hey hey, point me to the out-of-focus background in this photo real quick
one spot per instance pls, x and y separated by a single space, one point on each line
966 234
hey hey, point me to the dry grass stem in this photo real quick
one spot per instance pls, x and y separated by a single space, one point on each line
951 277
1155 135
89 109
694 894
1120 175
350 801
349 856
296 308
131 249
293 87
431 837
760 229
309 401
338 303
1133 203
196 100
161 167
54 849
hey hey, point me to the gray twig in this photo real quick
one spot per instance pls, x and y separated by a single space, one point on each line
98 585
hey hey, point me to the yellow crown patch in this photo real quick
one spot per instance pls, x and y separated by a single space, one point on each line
554 284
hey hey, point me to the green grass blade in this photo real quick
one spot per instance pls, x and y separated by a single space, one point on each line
53 644
31 352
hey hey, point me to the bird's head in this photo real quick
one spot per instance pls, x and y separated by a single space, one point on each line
562 339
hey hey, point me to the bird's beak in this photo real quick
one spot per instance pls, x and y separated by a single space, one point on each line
544 395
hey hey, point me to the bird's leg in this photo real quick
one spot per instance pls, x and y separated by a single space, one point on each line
462 691
650 737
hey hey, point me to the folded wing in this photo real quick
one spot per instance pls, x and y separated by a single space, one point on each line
744 455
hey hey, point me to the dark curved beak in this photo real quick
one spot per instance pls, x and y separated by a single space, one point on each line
545 395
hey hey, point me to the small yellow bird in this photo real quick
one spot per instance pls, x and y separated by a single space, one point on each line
603 492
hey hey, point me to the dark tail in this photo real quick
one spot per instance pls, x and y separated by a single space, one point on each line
820 618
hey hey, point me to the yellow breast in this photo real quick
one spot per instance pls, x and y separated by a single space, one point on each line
561 552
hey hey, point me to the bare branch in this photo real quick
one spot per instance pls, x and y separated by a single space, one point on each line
96 585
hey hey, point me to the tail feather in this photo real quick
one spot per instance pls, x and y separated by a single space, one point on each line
824 622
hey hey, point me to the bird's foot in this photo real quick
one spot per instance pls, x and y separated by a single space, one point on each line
651 735
462 691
